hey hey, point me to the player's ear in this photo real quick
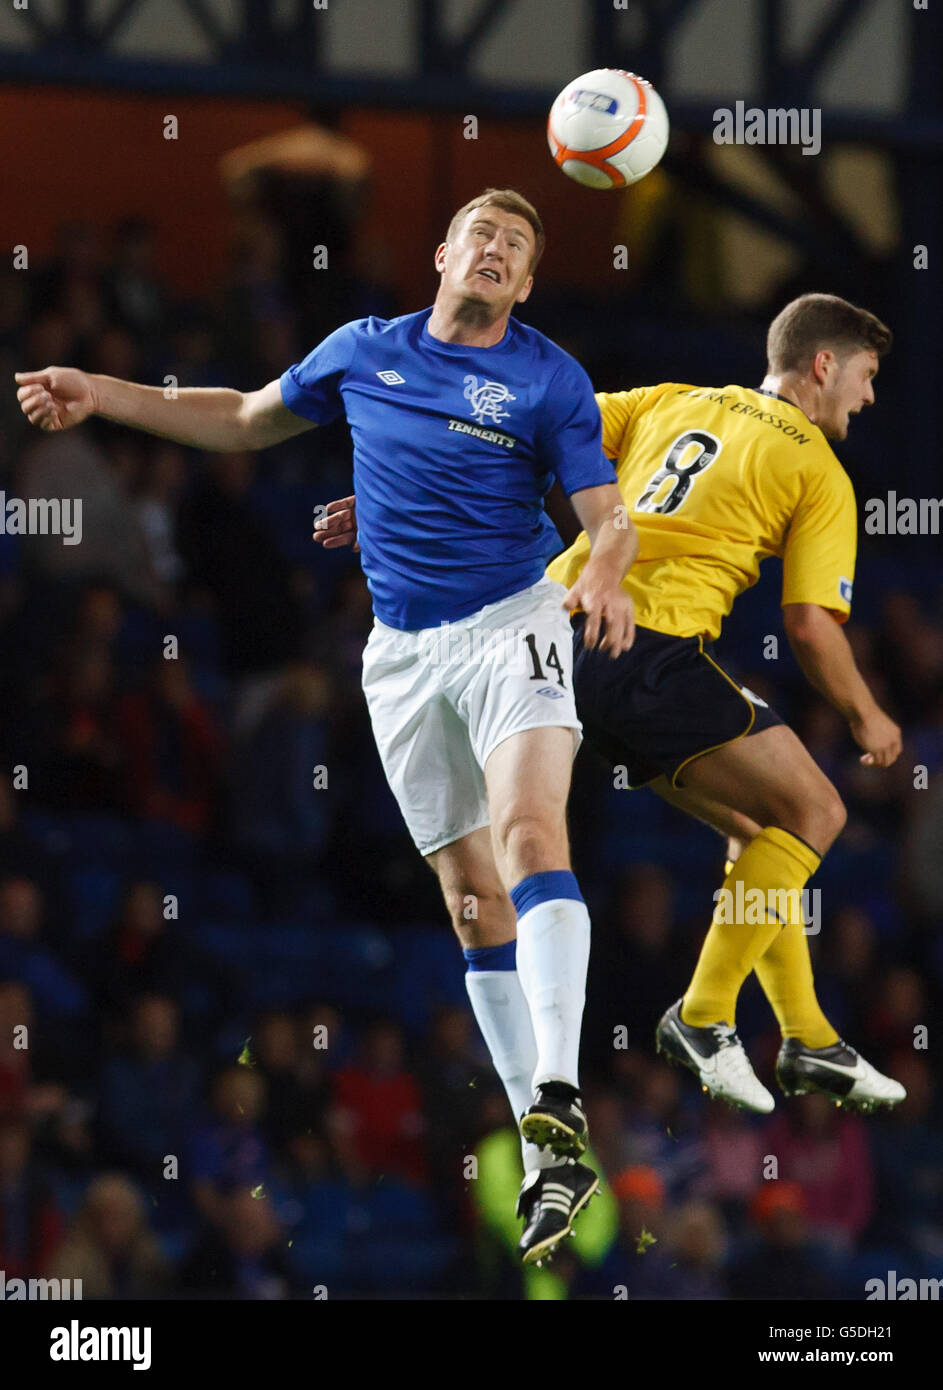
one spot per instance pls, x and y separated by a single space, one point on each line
525 290
440 257
822 363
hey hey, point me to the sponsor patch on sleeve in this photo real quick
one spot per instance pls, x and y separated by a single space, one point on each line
845 587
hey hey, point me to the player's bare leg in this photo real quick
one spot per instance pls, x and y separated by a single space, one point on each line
771 779
485 922
528 781
812 1057
738 829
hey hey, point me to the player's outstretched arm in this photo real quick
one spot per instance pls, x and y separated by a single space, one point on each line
827 661
598 590
57 398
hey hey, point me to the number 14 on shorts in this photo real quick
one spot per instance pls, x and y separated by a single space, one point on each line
551 660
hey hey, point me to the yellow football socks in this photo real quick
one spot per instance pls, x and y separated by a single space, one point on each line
785 972
760 896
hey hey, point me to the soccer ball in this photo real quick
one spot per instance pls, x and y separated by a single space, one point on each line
607 128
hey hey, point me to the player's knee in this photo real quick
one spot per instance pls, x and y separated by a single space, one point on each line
825 818
835 816
529 840
816 815
481 916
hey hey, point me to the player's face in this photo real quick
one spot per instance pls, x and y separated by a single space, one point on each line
488 262
848 391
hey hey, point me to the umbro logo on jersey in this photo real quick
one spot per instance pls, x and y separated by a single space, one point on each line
391 378
550 693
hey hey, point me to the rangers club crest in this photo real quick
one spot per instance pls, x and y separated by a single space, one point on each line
487 399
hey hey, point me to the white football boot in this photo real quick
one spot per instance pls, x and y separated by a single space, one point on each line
715 1054
837 1071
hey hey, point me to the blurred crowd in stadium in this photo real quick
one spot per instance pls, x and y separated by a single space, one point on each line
251 1070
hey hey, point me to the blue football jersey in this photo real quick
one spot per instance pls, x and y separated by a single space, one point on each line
454 450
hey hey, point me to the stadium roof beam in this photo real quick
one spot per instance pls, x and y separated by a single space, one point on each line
830 254
440 54
648 52
270 51
790 79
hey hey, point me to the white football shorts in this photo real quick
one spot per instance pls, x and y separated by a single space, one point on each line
442 699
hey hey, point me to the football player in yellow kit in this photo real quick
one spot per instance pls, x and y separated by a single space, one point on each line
715 480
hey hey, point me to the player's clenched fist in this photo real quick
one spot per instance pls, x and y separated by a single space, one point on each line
55 398
879 736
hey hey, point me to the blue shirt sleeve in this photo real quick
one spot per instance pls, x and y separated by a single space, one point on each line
311 388
570 435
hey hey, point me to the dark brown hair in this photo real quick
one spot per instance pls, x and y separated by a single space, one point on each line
508 201
816 321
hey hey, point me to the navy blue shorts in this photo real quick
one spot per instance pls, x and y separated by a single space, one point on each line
661 704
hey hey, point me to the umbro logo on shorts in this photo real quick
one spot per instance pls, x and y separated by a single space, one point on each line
391 378
550 693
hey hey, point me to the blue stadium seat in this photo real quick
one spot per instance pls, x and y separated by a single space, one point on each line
279 506
297 962
197 1000
95 893
330 1211
405 1266
284 965
160 847
176 1245
396 1208
224 893
428 972
68 1191
214 689
198 635
139 640
319 1260
230 942
288 963
314 902
325 1219
354 967
230 1038
53 832
99 839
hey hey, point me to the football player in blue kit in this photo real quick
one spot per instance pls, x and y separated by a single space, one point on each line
461 418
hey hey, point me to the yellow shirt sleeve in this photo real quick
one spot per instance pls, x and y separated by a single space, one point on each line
821 543
617 409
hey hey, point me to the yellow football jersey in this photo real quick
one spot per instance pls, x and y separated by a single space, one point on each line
717 479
